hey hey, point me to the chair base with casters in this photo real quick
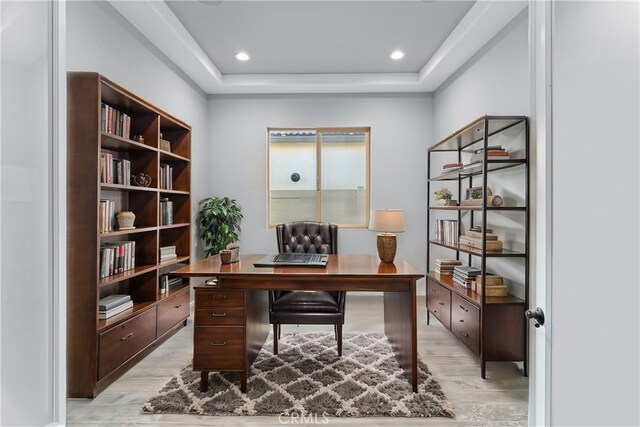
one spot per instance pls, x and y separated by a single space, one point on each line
307 307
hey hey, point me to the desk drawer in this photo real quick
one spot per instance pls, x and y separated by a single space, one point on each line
172 311
439 302
218 348
220 316
465 322
219 298
117 345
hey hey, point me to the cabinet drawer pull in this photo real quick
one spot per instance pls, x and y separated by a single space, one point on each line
219 297
219 344
127 337
461 320
219 314
179 305
441 303
464 335
464 308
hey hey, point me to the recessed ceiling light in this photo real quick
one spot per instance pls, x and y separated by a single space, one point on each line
397 54
242 56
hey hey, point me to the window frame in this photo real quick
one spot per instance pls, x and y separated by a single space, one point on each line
319 131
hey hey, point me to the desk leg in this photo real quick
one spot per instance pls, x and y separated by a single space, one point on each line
400 328
204 381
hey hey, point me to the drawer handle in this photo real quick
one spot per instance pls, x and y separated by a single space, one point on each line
179 305
464 308
441 303
220 297
464 335
219 314
127 337
461 320
218 344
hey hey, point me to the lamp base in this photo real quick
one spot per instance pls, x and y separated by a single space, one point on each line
386 247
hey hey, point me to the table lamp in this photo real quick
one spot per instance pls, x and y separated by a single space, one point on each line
388 221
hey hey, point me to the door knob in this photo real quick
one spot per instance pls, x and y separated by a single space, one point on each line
535 316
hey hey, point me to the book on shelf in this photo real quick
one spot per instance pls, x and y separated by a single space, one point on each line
478 235
166 211
111 301
166 250
106 215
117 257
447 230
444 267
166 176
452 166
114 121
164 258
492 245
478 228
491 148
116 310
479 157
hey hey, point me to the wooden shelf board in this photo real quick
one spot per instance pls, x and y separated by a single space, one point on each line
474 169
137 308
173 261
167 156
475 297
473 133
163 191
168 227
140 270
490 254
477 208
126 232
104 186
117 143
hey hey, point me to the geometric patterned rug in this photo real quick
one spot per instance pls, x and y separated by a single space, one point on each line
308 377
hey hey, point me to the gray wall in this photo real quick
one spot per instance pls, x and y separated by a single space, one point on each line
400 131
99 39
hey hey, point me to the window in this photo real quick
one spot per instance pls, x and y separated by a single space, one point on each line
319 175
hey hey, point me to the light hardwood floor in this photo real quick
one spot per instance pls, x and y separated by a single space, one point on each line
499 400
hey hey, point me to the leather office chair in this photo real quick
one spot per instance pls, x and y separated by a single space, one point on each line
307 307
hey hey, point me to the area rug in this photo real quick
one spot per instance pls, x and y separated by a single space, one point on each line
308 377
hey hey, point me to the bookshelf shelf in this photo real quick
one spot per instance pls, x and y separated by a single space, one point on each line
493 328
97 354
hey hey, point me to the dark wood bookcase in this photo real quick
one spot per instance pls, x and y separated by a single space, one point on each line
101 350
493 328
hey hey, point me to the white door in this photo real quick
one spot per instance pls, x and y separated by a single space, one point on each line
589 347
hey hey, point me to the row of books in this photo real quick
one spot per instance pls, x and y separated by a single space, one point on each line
463 275
166 211
167 253
114 171
166 176
113 304
106 213
115 122
117 257
444 267
447 230
166 283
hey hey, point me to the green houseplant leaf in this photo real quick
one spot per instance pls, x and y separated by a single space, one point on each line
219 219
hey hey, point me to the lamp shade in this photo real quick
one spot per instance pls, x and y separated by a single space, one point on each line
387 220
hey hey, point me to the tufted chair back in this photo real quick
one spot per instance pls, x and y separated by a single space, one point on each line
308 237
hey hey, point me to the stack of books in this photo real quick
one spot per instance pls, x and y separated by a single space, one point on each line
167 253
444 267
463 275
494 287
493 152
114 304
451 166
473 239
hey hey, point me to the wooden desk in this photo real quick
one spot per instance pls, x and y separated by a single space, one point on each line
232 318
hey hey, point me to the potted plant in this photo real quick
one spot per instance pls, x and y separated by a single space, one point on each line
219 219
444 197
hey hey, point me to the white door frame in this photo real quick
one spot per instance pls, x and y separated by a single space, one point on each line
540 39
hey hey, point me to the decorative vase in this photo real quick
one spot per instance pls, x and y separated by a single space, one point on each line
125 220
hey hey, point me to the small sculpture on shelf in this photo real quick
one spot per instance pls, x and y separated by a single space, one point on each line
125 220
445 197
138 138
142 179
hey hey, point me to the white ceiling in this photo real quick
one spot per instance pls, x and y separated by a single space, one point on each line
319 46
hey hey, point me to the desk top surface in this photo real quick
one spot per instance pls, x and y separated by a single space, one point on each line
338 265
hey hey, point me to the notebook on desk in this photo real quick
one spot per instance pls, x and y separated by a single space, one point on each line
293 260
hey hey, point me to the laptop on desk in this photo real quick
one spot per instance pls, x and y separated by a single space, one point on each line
293 260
